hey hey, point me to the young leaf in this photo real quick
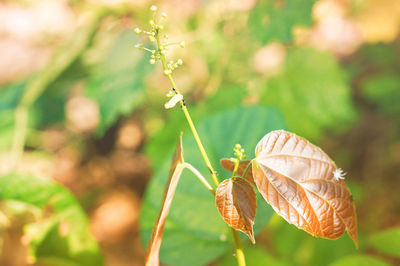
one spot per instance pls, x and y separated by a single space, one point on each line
229 165
153 249
236 202
297 179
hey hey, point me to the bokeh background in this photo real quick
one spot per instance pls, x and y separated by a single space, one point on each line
84 132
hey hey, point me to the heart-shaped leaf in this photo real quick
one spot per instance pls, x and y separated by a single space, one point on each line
301 184
237 203
153 249
229 165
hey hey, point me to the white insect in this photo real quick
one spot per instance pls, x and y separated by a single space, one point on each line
338 174
173 101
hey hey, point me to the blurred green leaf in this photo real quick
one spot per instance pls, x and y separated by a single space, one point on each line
384 89
49 108
255 256
273 20
304 249
117 84
6 129
194 232
359 260
75 245
10 95
311 92
387 242
9 98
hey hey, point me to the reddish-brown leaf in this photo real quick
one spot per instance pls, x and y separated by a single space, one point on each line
296 178
236 202
229 165
153 249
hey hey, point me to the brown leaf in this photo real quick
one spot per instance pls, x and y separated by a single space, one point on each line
236 202
296 179
177 166
229 165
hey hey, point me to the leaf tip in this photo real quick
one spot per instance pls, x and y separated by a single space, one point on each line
251 236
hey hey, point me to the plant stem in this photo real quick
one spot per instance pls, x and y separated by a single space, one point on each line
238 245
238 248
189 120
199 176
247 169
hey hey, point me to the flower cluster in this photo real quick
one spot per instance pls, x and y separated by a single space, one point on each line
161 42
238 151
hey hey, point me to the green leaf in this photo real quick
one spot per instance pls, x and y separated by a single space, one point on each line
9 98
49 108
194 232
117 84
10 95
77 246
274 19
311 92
304 249
255 256
387 242
359 260
384 89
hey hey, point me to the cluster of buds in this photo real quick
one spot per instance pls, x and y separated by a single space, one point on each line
238 151
161 43
172 66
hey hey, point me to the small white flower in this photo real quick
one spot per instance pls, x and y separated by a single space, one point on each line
153 8
173 101
338 174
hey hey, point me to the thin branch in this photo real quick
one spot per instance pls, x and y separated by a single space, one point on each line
199 176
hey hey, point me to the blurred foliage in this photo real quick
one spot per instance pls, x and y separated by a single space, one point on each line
326 70
387 242
117 83
275 20
314 88
60 236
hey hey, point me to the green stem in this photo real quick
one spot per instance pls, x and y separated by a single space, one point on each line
238 248
199 176
238 245
247 169
237 162
189 120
